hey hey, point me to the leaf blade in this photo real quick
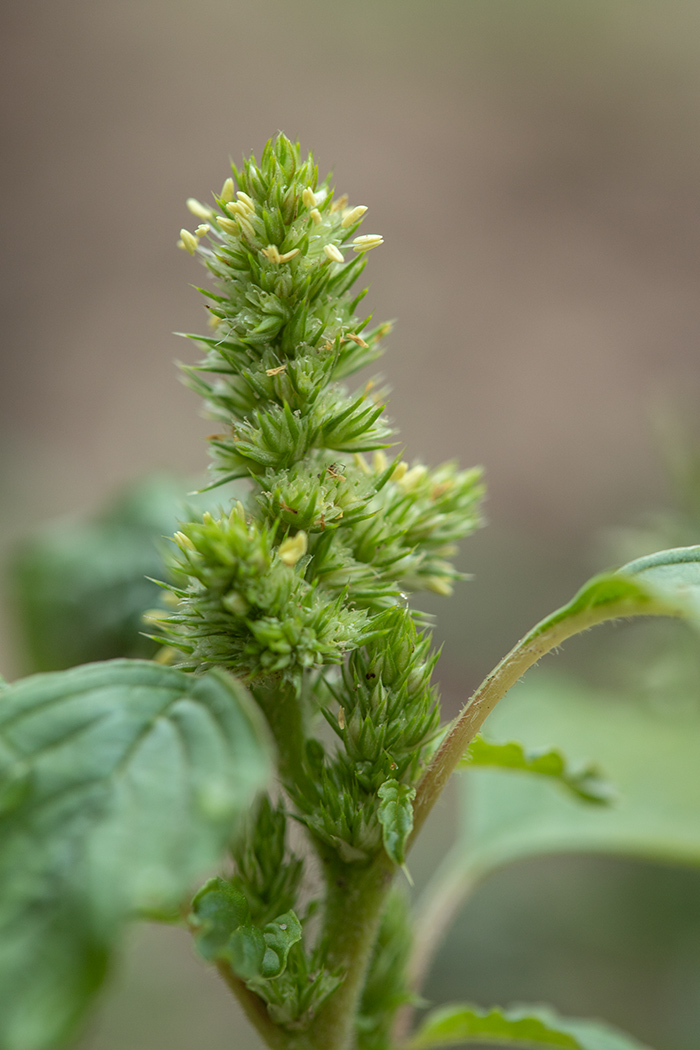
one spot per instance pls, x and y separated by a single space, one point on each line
584 781
528 1028
138 777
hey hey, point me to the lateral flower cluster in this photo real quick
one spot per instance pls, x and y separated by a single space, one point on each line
304 591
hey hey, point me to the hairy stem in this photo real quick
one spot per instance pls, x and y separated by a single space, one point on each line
541 639
283 710
354 903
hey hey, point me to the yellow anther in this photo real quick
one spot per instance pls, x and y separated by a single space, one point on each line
357 339
353 215
333 253
309 198
272 253
203 228
316 216
199 209
289 255
293 548
227 224
227 191
367 242
341 203
438 585
400 470
189 241
275 371
246 200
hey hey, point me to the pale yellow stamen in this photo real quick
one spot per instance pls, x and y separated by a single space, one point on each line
333 253
357 339
293 548
353 215
199 209
246 200
275 371
272 253
341 203
227 191
202 229
309 198
189 241
379 462
227 224
341 718
316 216
367 242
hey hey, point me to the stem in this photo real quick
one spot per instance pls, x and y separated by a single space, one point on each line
354 903
282 708
544 637
255 1010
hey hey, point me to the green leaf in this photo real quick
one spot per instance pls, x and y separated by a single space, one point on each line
81 588
663 584
246 951
584 781
652 755
396 817
217 909
526 1027
280 935
221 921
133 778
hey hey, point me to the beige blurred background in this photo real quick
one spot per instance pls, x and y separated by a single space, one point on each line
534 168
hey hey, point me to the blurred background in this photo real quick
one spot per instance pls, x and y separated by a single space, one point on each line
534 169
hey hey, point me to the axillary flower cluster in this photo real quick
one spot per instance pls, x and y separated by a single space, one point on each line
303 590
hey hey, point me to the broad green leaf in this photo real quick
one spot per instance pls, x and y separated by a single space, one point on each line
524 1027
663 584
122 782
217 910
81 588
653 757
584 781
396 817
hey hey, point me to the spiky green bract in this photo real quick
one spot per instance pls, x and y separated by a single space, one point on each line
284 334
304 590
245 608
248 927
386 722
267 874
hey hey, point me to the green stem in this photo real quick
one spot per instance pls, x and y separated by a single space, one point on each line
255 1010
354 904
544 637
282 707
